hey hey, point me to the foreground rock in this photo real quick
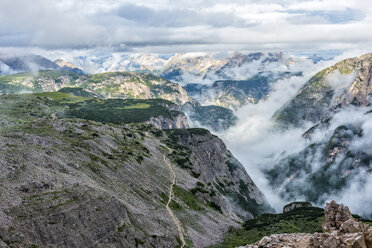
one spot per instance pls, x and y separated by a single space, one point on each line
340 229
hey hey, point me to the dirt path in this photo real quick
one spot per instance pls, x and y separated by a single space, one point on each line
170 196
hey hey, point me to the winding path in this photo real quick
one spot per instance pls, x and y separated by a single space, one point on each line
170 197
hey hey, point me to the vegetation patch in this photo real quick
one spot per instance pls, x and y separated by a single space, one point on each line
118 110
188 198
307 220
122 227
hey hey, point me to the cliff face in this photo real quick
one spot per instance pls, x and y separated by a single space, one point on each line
346 83
223 179
77 182
178 120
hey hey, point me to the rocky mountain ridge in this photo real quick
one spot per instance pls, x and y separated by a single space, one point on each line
126 85
10 64
202 69
343 84
59 159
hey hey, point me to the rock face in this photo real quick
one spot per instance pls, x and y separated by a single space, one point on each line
345 83
295 205
340 229
177 121
235 192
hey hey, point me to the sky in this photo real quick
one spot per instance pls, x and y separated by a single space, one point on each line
168 26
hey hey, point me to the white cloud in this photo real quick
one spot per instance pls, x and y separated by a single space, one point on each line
185 26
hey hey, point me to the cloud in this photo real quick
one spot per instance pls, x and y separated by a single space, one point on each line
177 17
163 26
257 143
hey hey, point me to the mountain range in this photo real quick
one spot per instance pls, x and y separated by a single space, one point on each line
120 85
229 79
110 157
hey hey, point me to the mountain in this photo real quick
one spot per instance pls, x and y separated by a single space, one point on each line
66 66
101 63
335 104
209 71
120 85
189 66
198 68
236 93
316 58
234 79
346 83
82 172
31 63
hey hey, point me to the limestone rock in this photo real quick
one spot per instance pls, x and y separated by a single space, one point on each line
335 215
265 240
341 230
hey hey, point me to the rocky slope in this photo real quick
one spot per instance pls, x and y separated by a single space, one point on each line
337 153
346 83
340 229
119 85
71 177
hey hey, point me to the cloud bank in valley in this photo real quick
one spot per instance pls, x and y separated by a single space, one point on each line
258 144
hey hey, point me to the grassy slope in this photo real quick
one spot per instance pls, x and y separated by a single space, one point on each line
68 106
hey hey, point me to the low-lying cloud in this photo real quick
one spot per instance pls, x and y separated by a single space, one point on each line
259 145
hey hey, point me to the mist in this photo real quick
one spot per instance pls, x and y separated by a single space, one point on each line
259 144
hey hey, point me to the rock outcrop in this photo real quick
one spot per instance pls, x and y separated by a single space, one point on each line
340 230
177 121
294 205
